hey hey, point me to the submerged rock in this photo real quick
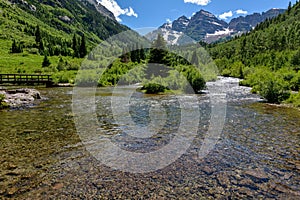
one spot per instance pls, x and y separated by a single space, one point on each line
258 175
20 97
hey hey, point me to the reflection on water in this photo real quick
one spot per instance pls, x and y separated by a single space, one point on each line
258 154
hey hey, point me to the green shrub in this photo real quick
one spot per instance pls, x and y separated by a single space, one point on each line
273 89
38 71
254 78
33 51
135 75
2 97
2 103
154 88
64 77
236 69
294 99
72 66
195 78
21 71
295 82
87 78
114 72
226 72
61 66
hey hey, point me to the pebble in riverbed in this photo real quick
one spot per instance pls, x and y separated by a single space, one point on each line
20 97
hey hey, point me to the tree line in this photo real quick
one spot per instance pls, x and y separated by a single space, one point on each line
49 45
158 69
267 58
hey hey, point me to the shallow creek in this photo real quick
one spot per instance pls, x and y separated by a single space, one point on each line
257 154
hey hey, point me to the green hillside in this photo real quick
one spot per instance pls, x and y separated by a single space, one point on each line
57 29
268 58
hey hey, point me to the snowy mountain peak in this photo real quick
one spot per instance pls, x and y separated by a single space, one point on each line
205 26
166 26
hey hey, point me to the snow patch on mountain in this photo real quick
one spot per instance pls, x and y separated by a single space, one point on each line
225 31
208 14
186 23
215 23
172 37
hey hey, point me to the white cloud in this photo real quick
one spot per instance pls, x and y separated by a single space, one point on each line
198 2
226 15
168 21
242 12
131 12
114 7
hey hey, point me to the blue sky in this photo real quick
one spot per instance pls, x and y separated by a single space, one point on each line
153 13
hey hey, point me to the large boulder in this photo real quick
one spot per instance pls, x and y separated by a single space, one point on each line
20 97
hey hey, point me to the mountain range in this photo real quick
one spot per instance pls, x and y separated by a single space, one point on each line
205 26
98 23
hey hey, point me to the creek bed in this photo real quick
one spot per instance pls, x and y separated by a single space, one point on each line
256 156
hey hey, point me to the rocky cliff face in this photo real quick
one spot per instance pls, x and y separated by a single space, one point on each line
203 23
102 9
248 22
180 24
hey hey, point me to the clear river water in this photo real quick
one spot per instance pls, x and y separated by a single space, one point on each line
256 155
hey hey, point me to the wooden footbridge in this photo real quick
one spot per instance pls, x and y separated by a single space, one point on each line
26 79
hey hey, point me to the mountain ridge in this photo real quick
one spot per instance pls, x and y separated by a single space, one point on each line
71 16
205 26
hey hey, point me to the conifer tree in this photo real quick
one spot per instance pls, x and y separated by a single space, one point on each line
41 47
195 59
38 36
142 53
82 48
46 61
138 54
126 57
133 54
158 52
16 47
75 47
290 7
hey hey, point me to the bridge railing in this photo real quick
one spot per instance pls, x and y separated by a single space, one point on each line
25 78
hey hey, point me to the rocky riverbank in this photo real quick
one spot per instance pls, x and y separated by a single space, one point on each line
19 97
